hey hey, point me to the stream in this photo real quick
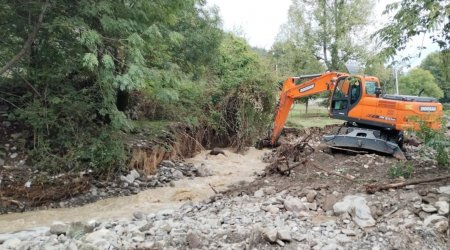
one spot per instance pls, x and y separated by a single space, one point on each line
228 169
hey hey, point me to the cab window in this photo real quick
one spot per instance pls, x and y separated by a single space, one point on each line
370 88
342 88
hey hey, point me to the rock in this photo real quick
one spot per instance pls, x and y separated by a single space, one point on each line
443 207
329 202
78 229
269 234
312 206
423 192
430 199
16 136
434 218
139 238
280 243
217 151
146 227
270 190
444 190
284 234
272 209
168 163
203 171
11 244
311 195
2 162
259 193
331 246
428 208
194 240
13 155
299 238
102 238
177 174
135 174
139 215
410 196
58 228
146 245
295 205
166 228
6 124
348 232
357 207
128 179
441 226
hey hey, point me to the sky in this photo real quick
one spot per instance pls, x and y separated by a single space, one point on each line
259 22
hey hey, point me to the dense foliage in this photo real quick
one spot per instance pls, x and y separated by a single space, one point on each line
77 71
438 63
416 17
417 80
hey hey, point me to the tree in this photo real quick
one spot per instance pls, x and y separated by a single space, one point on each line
412 18
418 79
438 63
375 66
331 28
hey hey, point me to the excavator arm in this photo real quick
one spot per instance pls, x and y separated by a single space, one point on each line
291 91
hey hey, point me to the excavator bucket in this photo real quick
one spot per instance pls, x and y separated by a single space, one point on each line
364 139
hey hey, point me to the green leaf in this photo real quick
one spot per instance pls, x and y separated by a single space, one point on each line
108 62
90 61
90 39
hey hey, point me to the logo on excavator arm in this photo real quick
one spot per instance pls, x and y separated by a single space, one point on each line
309 87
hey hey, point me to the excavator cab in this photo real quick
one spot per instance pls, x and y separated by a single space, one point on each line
346 95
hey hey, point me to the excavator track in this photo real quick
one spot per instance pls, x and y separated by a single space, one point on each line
364 139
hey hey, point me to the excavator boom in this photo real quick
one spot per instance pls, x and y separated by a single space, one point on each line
293 88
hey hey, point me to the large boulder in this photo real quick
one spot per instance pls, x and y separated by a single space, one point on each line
295 205
58 228
357 207
102 239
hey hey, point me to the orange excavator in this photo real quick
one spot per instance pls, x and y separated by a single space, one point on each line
374 121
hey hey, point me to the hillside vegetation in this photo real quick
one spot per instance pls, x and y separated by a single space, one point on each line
76 73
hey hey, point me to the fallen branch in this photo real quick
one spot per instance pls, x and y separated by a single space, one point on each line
378 187
316 165
213 189
17 203
289 168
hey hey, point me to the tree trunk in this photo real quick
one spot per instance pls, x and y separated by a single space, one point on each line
306 105
325 28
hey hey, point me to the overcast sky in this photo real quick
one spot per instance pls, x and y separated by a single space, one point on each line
259 21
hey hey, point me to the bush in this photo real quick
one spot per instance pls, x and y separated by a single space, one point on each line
401 169
438 141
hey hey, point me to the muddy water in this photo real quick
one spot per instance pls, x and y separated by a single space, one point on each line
226 170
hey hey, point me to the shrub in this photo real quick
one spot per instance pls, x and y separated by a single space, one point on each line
401 169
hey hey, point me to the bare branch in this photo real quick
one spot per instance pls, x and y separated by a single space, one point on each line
28 43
